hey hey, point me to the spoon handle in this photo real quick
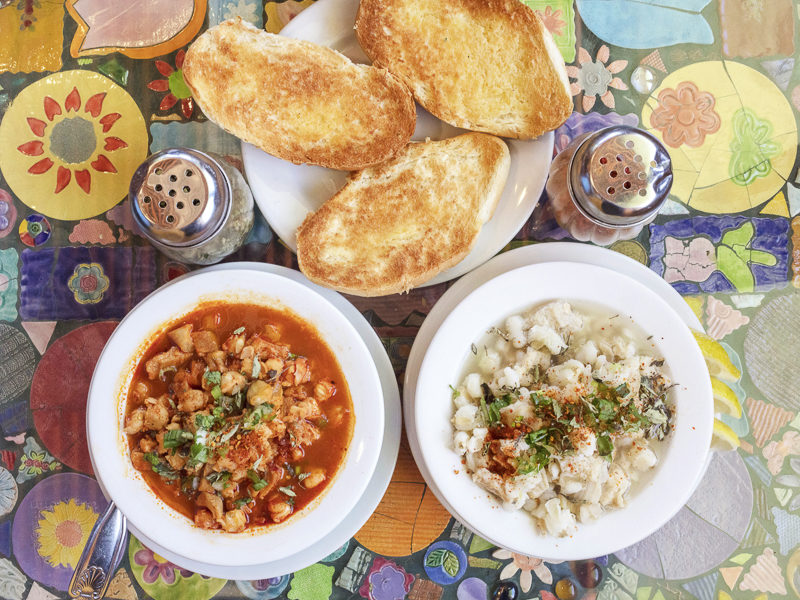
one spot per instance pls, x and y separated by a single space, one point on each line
101 556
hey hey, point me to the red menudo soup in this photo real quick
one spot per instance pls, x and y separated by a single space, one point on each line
238 415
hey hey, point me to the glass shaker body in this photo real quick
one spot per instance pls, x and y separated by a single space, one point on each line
234 229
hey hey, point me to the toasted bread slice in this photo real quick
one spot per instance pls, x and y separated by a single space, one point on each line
395 226
297 100
484 65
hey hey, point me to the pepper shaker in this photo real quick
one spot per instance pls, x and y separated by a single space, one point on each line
608 184
193 206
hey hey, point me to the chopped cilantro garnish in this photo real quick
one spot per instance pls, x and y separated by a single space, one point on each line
177 437
288 491
604 445
218 480
454 393
258 414
258 483
204 421
216 392
160 467
605 409
229 434
540 399
256 368
242 502
534 437
556 408
493 409
212 377
484 411
534 461
198 454
652 415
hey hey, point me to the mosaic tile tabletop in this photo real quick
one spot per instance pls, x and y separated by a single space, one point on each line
87 91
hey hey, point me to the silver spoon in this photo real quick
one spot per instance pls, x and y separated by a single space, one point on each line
101 556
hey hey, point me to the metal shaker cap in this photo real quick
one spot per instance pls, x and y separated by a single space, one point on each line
180 197
620 176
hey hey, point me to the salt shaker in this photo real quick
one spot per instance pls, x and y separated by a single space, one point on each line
193 206
608 184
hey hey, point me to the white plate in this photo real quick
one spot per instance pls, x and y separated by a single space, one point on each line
286 192
531 254
147 513
349 524
681 459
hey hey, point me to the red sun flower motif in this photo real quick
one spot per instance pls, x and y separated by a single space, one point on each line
174 85
68 137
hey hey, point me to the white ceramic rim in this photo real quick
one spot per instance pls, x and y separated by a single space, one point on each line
685 455
131 493
286 193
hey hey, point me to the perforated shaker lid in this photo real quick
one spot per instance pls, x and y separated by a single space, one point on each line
620 176
180 197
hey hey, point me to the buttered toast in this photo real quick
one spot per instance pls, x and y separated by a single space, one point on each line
296 100
396 225
484 65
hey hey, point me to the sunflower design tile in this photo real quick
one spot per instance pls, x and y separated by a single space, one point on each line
69 144
63 531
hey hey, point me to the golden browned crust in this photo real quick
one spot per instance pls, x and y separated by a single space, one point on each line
396 225
485 65
296 100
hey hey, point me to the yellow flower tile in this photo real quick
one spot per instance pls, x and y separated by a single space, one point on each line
63 531
784 162
683 184
680 161
726 108
709 76
36 47
716 169
776 206
89 145
762 96
725 197
764 188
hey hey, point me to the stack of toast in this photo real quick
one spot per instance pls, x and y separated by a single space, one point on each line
409 210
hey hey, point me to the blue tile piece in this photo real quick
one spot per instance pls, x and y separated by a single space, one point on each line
45 282
647 23
759 245
15 417
703 588
5 538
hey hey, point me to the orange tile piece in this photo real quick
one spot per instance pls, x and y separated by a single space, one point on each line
409 517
